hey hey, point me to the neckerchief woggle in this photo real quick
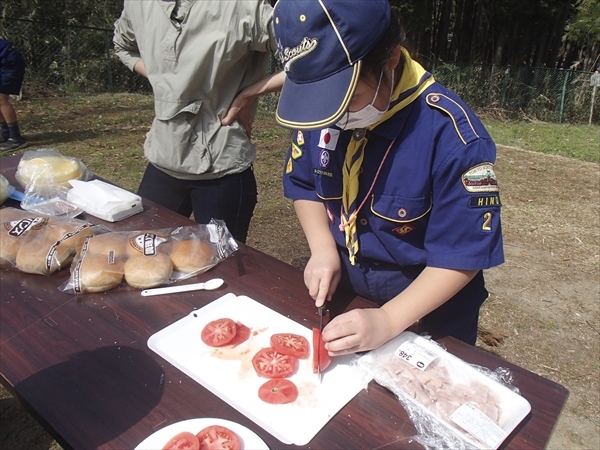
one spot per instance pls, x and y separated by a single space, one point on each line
412 78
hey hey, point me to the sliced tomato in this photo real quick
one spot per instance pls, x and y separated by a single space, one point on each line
217 437
320 356
183 441
269 363
291 344
242 334
278 391
219 332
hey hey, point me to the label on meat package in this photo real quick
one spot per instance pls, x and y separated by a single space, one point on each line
415 355
476 423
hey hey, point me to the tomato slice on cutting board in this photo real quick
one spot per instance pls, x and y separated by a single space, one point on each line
278 391
320 355
183 441
269 363
217 437
242 334
291 344
219 332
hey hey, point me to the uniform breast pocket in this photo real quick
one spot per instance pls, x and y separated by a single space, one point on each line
327 187
400 209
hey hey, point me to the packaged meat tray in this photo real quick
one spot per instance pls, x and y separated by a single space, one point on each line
451 403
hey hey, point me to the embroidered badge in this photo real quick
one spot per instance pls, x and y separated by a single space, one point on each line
288 167
300 138
329 138
480 178
404 229
296 151
289 55
483 201
324 159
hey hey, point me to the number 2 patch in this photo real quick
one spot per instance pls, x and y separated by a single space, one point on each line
487 220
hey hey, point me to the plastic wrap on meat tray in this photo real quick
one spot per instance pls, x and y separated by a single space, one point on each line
451 403
148 258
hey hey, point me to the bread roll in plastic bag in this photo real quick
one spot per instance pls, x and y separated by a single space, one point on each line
40 244
145 259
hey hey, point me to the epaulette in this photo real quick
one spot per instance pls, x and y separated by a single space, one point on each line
464 128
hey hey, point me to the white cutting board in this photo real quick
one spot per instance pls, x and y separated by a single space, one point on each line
228 372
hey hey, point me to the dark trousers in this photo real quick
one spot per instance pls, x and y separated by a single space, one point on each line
231 198
380 282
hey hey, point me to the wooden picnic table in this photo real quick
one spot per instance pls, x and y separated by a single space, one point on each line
81 365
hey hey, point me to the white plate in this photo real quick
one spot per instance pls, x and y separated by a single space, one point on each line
158 440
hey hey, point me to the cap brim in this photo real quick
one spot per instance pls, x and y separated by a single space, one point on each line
316 105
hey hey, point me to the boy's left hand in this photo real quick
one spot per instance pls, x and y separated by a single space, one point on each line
357 330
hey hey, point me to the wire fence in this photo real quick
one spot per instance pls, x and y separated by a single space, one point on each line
73 59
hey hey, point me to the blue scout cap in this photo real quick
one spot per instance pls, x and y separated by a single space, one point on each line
321 44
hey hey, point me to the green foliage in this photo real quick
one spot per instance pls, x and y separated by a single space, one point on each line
585 23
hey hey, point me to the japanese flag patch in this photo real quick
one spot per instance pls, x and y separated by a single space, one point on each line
329 138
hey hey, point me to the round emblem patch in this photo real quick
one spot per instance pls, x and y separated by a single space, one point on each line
324 159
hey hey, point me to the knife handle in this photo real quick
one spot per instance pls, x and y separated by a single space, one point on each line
321 310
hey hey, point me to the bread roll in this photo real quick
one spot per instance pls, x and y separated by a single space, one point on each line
11 214
108 245
53 246
191 255
96 273
9 246
144 272
146 243
18 229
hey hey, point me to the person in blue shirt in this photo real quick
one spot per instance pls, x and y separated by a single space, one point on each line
12 72
391 174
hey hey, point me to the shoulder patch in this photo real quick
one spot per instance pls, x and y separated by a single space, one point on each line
480 178
464 128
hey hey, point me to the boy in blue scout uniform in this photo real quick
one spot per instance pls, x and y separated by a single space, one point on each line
391 175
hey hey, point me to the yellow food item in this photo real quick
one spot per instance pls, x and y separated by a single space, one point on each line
45 170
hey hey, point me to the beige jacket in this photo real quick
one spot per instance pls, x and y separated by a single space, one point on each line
196 64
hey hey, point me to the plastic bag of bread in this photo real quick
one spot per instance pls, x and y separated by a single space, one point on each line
40 244
44 175
145 259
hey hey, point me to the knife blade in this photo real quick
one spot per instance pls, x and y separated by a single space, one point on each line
321 312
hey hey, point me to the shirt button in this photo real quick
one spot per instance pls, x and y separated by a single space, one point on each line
363 221
402 213
434 98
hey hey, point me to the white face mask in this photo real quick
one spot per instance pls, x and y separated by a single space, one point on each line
365 116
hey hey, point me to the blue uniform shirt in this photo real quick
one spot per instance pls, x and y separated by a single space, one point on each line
435 201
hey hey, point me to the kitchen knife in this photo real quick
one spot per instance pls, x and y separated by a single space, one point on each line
321 312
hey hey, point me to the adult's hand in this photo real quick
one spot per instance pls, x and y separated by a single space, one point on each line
240 110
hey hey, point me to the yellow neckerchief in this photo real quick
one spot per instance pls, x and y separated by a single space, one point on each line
412 78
